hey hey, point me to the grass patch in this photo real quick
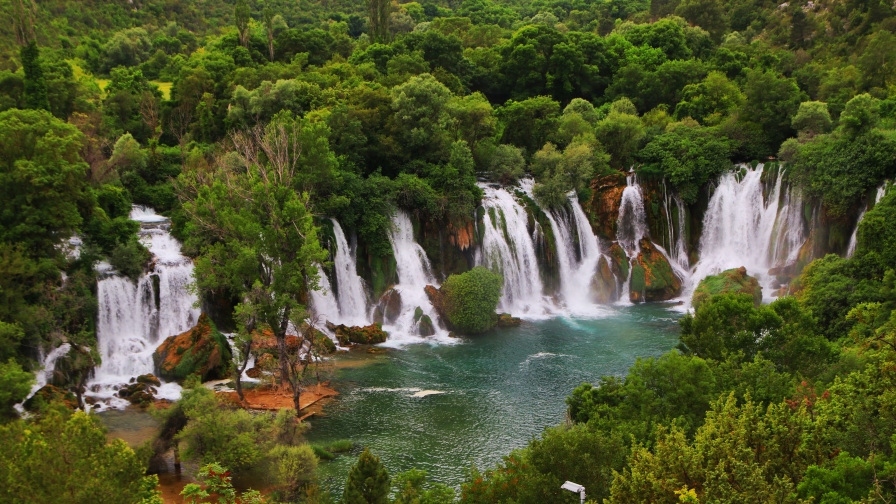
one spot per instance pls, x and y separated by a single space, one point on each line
342 445
322 452
164 87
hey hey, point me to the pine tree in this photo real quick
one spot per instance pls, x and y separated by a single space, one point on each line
368 482
35 84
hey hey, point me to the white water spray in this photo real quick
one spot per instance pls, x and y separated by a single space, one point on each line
509 249
351 294
130 324
853 240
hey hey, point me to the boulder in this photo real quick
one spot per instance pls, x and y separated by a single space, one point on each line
201 350
508 320
149 379
140 393
619 262
253 372
604 286
603 209
425 327
731 281
388 308
367 335
652 276
437 299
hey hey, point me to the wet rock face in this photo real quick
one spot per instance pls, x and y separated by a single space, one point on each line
652 276
604 286
733 281
603 209
388 308
367 335
437 299
425 327
200 350
142 391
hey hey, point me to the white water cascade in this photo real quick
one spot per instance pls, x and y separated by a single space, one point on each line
742 228
509 249
323 302
631 227
853 240
414 274
351 294
131 324
675 236
577 254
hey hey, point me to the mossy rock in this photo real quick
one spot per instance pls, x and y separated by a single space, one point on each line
367 335
201 350
508 320
604 286
733 281
425 327
652 276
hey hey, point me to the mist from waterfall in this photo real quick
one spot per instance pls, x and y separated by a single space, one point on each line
741 227
509 249
414 274
130 324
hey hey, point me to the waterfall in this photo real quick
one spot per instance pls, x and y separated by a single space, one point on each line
853 240
742 228
323 302
577 254
414 274
134 318
509 249
631 225
675 237
351 295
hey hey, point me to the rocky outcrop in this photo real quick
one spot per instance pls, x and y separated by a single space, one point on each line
604 287
141 391
201 350
606 196
507 320
388 308
425 327
733 281
652 276
437 299
367 335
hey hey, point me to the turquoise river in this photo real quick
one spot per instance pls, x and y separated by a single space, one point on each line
495 391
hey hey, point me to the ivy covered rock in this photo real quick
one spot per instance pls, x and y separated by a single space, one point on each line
201 350
49 394
652 276
733 281
367 335
425 326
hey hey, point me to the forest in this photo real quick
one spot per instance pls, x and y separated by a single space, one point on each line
254 125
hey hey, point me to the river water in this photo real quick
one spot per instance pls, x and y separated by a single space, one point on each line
495 391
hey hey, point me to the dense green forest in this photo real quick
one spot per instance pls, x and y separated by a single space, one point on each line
248 121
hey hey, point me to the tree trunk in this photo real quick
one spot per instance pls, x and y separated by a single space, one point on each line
176 457
281 349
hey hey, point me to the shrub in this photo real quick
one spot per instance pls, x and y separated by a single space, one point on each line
471 299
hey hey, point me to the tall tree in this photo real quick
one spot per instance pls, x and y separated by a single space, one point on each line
269 28
368 482
378 12
241 17
255 230
35 85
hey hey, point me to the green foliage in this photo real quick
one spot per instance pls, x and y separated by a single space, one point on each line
66 458
471 299
294 467
42 180
15 383
217 481
688 157
368 482
728 281
35 85
130 258
725 325
411 488
812 118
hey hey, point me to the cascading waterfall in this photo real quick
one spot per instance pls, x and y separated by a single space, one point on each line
853 240
323 302
509 249
631 227
133 318
741 228
414 274
577 255
351 294
675 237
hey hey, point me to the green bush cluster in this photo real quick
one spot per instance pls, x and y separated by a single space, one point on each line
471 299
